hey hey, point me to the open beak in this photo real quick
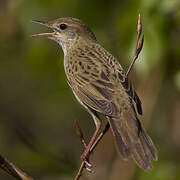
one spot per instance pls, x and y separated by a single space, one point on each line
43 34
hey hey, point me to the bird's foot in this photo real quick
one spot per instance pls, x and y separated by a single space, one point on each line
85 158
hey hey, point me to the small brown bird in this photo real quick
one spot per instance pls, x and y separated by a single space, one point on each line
100 85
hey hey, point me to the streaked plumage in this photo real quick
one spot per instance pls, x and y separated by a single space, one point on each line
100 85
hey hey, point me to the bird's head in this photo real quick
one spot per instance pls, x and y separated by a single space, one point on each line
67 31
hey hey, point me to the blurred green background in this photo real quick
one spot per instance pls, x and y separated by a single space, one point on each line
38 110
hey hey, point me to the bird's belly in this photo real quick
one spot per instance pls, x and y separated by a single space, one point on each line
70 82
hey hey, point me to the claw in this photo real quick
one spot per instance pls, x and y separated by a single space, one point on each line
88 164
89 170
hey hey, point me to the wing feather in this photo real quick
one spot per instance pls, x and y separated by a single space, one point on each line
130 91
98 103
100 80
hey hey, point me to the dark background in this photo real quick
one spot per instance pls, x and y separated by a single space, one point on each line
37 108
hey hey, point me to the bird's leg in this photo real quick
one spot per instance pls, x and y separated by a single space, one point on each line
97 121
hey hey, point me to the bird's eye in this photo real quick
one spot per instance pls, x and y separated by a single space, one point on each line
62 26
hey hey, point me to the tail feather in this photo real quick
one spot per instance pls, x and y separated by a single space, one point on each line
123 148
141 157
148 144
132 140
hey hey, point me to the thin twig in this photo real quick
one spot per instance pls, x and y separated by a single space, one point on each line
12 170
138 48
80 171
80 134
139 45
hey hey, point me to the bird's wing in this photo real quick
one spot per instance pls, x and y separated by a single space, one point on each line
96 94
98 81
98 91
129 89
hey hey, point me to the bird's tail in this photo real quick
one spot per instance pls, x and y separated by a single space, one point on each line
132 140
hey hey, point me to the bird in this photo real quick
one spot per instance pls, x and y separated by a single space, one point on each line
101 86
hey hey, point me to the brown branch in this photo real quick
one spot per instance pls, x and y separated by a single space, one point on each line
12 170
80 171
138 48
80 134
139 45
